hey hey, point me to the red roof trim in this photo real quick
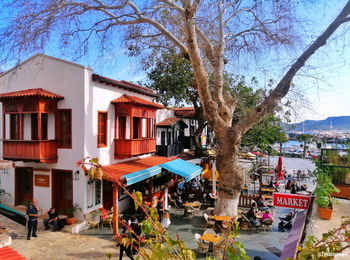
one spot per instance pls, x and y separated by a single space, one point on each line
169 121
125 85
39 92
185 112
135 100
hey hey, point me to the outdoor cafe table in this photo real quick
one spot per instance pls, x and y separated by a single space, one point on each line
267 190
214 238
268 197
221 218
191 204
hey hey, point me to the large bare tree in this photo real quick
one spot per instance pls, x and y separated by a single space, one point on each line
208 32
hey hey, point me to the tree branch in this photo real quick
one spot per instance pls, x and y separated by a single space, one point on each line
281 90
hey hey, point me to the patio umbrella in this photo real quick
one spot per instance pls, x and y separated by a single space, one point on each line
280 174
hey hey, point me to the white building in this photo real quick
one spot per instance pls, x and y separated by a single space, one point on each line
57 112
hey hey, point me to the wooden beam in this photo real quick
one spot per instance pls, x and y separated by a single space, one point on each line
131 127
4 126
115 208
40 126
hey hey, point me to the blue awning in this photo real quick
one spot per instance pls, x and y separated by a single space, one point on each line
144 174
182 168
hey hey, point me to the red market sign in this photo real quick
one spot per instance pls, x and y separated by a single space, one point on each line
291 200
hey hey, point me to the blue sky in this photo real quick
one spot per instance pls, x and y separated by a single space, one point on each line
326 88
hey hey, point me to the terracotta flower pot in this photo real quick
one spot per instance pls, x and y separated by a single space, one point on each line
70 221
325 213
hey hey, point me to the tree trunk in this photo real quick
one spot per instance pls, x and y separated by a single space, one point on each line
231 178
199 151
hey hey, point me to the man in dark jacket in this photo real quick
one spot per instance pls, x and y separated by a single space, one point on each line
32 212
52 220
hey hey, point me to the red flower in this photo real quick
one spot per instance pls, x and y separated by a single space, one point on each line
79 162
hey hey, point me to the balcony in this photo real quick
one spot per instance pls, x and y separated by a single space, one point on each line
44 151
124 148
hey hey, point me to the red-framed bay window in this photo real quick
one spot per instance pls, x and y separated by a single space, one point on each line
102 118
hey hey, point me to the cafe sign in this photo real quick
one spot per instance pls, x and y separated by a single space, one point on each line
42 180
291 200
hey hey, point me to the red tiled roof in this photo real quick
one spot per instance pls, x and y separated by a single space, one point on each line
116 171
184 111
39 92
169 121
135 100
10 254
125 85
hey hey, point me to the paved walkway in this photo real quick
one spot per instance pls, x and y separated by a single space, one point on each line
266 244
58 245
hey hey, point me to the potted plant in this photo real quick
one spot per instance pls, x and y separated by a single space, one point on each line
70 212
323 192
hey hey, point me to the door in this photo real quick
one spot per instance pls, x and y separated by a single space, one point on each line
23 184
107 194
62 189
162 138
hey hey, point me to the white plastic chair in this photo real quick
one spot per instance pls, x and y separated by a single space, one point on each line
196 237
202 246
209 231
197 207
93 220
209 222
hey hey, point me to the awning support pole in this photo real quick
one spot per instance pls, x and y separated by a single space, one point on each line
115 208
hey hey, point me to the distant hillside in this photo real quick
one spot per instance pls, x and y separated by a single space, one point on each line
334 123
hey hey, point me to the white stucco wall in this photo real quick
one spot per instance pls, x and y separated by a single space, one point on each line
164 113
7 182
27 133
43 194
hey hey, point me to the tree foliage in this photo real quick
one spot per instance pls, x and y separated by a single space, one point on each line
172 78
305 138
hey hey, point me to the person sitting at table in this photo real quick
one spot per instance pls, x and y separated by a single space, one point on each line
173 200
52 220
288 184
270 185
212 196
262 203
293 188
251 214
267 215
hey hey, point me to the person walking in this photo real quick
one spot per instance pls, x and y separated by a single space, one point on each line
32 212
128 249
